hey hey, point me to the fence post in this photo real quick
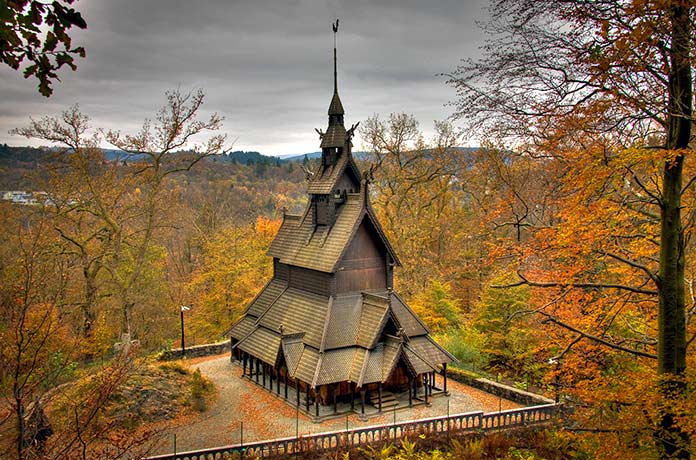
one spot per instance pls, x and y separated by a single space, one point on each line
448 421
297 424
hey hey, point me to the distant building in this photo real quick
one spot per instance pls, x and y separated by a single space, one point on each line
22 197
328 326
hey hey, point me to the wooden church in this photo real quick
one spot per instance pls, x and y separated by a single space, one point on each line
328 327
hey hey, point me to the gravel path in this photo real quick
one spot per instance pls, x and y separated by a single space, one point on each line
265 416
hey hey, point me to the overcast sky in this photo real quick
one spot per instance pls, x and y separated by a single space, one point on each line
265 65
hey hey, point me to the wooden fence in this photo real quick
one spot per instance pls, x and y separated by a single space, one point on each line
347 439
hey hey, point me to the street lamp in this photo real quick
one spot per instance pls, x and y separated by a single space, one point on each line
556 362
182 309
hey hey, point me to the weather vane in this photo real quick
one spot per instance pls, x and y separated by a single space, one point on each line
334 26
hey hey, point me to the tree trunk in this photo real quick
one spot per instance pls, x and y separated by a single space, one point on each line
674 442
88 316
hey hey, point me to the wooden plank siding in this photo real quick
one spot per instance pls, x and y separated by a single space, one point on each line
364 264
309 280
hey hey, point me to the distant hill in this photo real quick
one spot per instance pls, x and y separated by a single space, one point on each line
28 154
314 155
249 157
301 156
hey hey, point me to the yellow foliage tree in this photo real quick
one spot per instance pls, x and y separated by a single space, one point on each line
233 268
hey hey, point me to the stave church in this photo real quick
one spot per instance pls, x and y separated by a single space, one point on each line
328 331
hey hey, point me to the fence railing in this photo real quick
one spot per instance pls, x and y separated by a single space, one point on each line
332 440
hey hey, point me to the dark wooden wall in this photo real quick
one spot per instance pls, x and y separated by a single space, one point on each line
280 271
310 280
364 264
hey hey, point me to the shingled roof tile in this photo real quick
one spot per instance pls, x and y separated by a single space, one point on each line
263 344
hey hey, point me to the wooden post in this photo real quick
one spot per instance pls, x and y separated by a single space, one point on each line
285 381
243 364
410 392
335 398
297 390
444 374
256 368
379 397
362 401
424 379
352 396
307 399
263 370
278 382
316 402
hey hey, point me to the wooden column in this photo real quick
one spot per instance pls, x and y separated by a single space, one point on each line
335 398
316 402
263 370
410 392
424 379
307 399
285 381
362 401
277 374
352 396
243 364
379 397
256 368
444 374
297 388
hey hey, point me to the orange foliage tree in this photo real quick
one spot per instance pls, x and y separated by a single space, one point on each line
603 91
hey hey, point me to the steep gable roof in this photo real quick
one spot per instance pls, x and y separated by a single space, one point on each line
299 243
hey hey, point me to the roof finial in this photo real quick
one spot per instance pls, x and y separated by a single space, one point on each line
335 30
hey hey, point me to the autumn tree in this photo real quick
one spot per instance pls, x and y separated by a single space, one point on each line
231 272
38 32
605 88
419 199
39 352
112 213
31 333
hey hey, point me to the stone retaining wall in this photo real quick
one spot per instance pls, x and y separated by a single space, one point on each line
510 393
196 351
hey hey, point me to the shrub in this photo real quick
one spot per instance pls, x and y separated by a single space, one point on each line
201 388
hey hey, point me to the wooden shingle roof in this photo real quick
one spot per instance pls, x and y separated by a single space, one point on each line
335 136
298 311
335 339
336 107
299 243
326 178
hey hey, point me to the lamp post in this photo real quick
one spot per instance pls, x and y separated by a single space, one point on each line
182 309
555 361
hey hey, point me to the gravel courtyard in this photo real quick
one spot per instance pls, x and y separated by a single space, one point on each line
265 416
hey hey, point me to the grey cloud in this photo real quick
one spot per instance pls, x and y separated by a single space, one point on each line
265 65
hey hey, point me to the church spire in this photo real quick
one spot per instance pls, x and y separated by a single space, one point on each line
335 137
335 30
335 108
